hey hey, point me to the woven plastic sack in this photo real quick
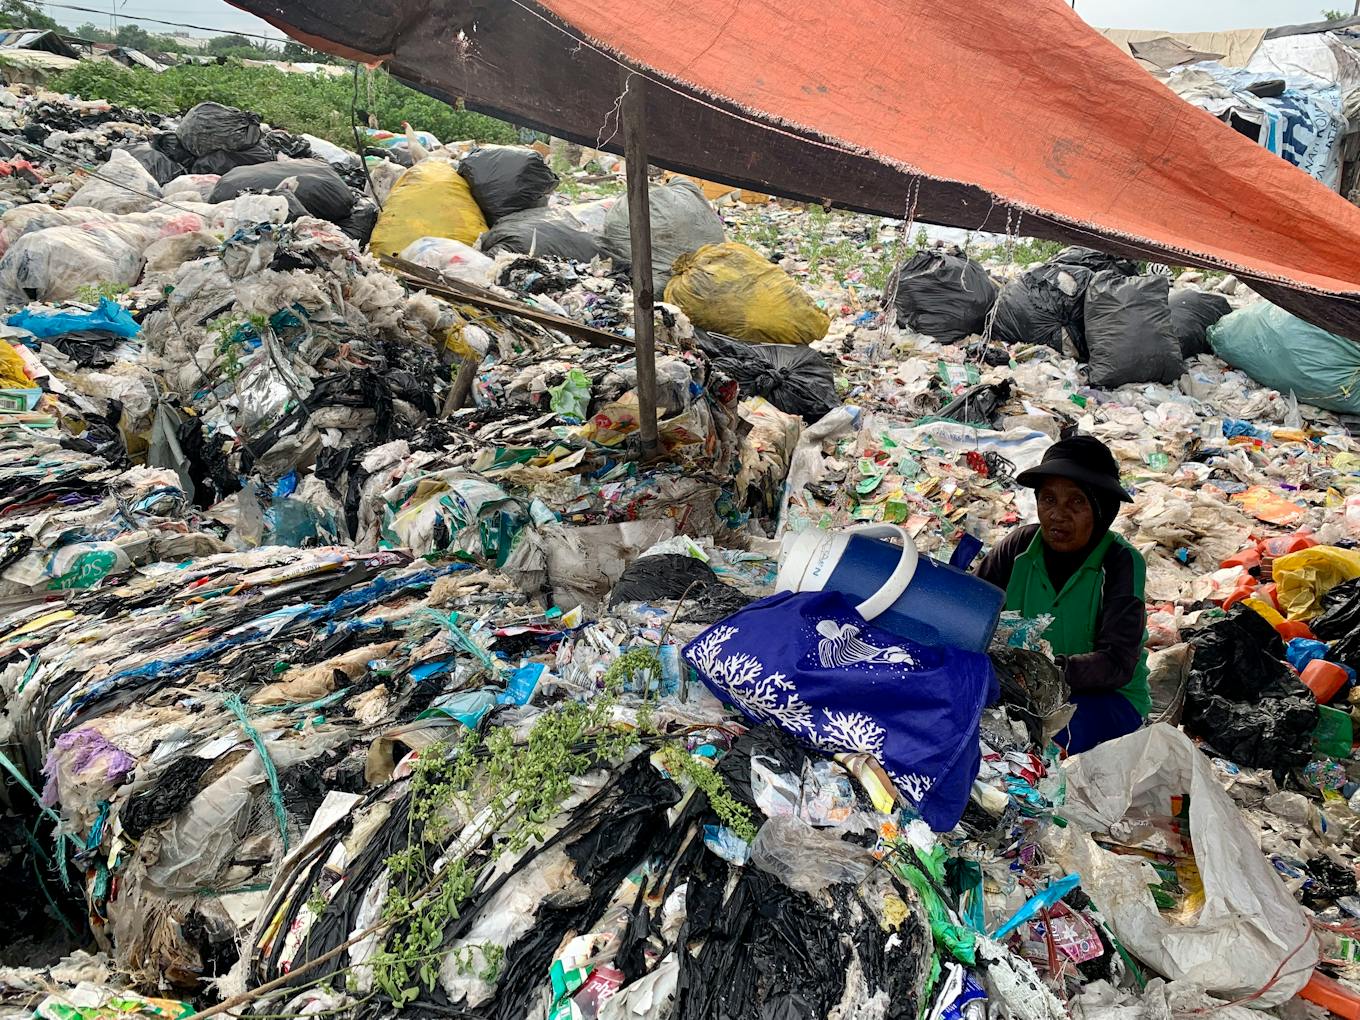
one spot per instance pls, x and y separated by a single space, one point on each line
428 200
1248 927
682 222
730 289
1282 351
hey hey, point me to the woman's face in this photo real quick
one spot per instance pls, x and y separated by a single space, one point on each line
1066 517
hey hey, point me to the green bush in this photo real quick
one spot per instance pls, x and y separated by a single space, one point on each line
316 104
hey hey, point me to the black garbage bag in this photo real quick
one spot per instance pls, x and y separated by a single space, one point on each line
1044 306
1192 313
1340 623
941 295
156 163
668 576
1244 699
978 405
360 222
1096 261
542 232
507 180
223 161
284 144
168 142
212 127
796 379
319 188
1129 331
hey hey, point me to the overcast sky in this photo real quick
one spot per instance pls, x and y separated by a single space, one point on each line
1174 15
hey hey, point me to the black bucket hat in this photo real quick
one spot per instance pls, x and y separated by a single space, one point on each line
1082 459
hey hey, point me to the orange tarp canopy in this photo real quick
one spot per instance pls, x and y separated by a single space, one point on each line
983 114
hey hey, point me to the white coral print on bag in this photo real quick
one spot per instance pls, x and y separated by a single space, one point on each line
769 695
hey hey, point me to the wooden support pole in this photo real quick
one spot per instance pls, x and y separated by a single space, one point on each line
633 112
462 385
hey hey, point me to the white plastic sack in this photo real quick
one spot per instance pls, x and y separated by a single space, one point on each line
1249 923
28 219
54 264
197 184
329 151
452 258
123 186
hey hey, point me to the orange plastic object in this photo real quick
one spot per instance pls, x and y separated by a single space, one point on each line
1283 545
1331 995
1324 679
1245 589
1250 558
1290 629
1267 594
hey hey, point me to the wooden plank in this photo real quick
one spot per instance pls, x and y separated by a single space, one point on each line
633 112
457 290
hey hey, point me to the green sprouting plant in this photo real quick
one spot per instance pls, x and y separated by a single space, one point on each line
317 903
730 811
91 293
483 959
233 338
1022 252
638 664
522 786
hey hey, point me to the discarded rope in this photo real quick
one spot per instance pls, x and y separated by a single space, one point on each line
238 709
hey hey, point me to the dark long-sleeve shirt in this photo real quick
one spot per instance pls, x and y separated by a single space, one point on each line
1121 621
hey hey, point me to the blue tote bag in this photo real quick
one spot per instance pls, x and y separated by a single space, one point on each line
810 664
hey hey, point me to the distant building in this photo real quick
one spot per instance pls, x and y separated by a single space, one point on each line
189 42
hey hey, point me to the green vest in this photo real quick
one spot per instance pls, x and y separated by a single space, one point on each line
1076 609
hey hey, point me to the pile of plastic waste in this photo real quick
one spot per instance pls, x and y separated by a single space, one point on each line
356 659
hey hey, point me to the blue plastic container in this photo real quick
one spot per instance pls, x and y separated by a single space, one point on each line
901 591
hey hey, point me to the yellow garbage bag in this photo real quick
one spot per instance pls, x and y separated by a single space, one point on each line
1302 578
429 200
12 374
728 288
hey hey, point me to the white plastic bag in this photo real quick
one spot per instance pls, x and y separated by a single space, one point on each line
122 186
452 258
1249 923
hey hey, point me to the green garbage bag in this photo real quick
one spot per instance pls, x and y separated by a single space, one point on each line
1282 351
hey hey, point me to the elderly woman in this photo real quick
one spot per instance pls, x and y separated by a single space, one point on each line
1072 567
